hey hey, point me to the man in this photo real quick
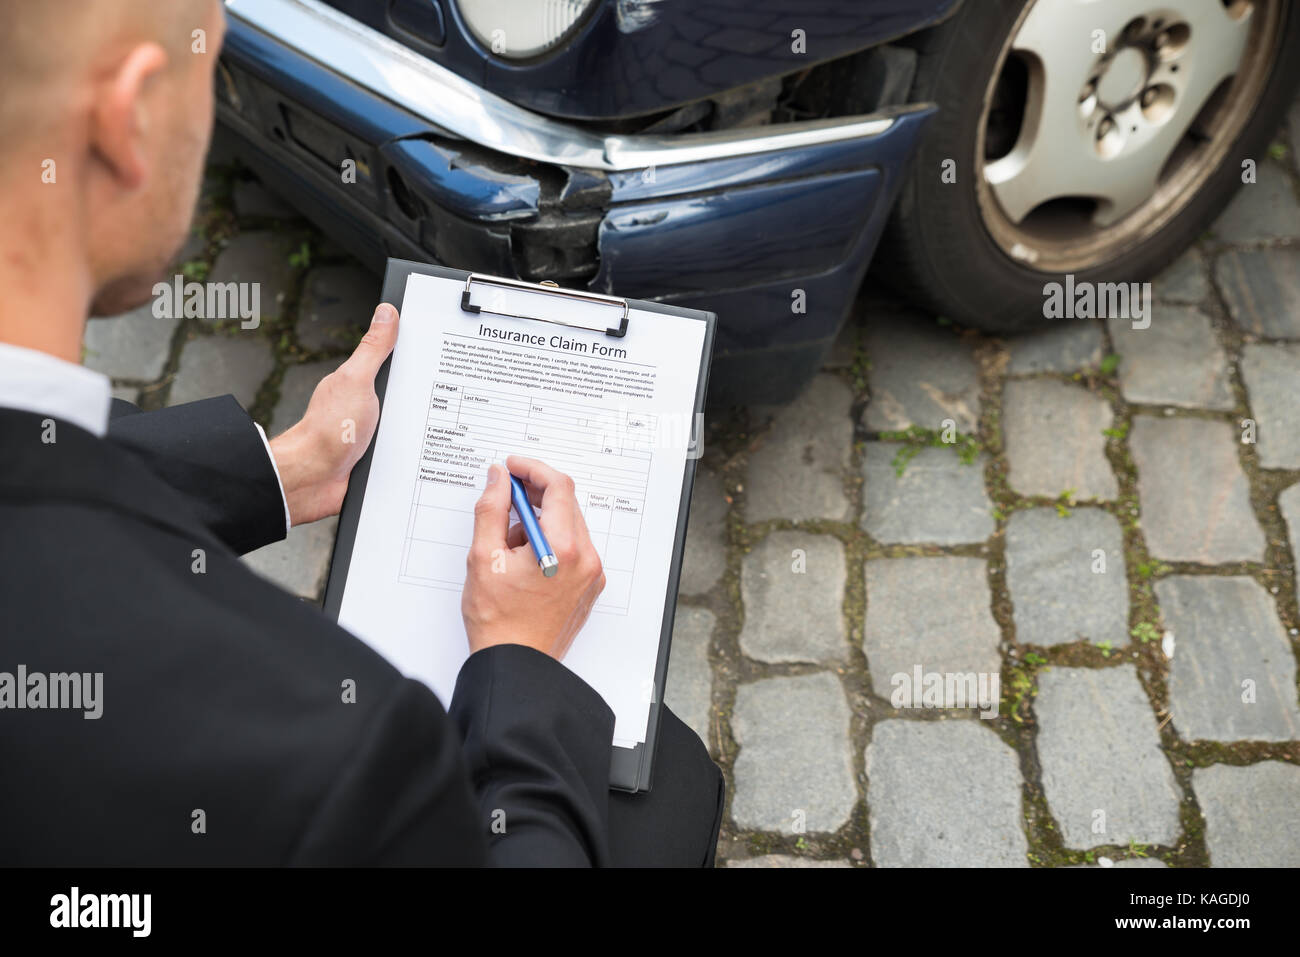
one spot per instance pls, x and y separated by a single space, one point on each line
159 703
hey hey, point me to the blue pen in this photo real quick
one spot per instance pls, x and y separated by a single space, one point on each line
541 547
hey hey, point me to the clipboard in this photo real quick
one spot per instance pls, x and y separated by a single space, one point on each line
631 769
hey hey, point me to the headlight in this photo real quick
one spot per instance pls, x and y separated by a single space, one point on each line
521 28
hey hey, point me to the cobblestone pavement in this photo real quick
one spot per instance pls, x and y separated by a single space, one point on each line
1097 535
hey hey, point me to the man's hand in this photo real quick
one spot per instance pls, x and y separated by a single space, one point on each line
315 457
507 599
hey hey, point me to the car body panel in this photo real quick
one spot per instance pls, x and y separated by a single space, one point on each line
632 57
732 236
778 252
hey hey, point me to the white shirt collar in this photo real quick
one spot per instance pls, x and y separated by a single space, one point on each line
36 382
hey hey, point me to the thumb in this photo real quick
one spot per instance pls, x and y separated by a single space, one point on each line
492 512
375 345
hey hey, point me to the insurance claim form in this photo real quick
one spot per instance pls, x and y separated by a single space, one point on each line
464 391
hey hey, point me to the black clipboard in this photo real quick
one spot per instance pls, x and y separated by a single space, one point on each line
631 769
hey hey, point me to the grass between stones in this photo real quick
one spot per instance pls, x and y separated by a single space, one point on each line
217 222
1016 724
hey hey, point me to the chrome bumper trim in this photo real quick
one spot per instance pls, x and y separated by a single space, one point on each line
434 93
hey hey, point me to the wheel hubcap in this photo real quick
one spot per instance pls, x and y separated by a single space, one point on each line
1124 112
1122 79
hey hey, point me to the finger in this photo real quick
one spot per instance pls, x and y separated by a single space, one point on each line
536 473
375 346
581 535
559 506
492 514
516 538
534 493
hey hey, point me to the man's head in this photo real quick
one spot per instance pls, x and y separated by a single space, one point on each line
105 118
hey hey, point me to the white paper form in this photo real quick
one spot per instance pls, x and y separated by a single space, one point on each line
466 390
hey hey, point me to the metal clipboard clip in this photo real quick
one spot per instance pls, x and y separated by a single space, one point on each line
546 289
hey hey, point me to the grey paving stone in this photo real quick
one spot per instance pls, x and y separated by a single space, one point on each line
1229 648
1289 505
254 199
1105 778
689 688
296 387
1262 290
798 470
928 612
936 500
134 345
1057 595
921 373
262 258
1263 210
216 365
705 558
785 860
1272 377
193 248
792 587
1252 814
1063 346
128 392
943 794
1176 361
795 764
299 563
337 303
1185 280
1193 493
1054 442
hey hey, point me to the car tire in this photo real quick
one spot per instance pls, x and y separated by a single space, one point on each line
939 249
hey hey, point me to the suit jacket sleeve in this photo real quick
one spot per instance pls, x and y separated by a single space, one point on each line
537 742
402 797
211 452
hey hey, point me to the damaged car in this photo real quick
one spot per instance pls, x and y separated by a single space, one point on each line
754 157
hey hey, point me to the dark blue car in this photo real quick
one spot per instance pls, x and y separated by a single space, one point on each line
747 156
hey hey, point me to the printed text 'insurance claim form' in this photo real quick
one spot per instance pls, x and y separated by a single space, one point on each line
466 390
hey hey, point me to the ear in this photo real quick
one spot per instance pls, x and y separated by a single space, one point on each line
120 115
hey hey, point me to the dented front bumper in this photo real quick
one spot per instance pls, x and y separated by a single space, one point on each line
770 227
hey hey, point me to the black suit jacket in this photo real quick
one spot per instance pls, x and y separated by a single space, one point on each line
225 737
